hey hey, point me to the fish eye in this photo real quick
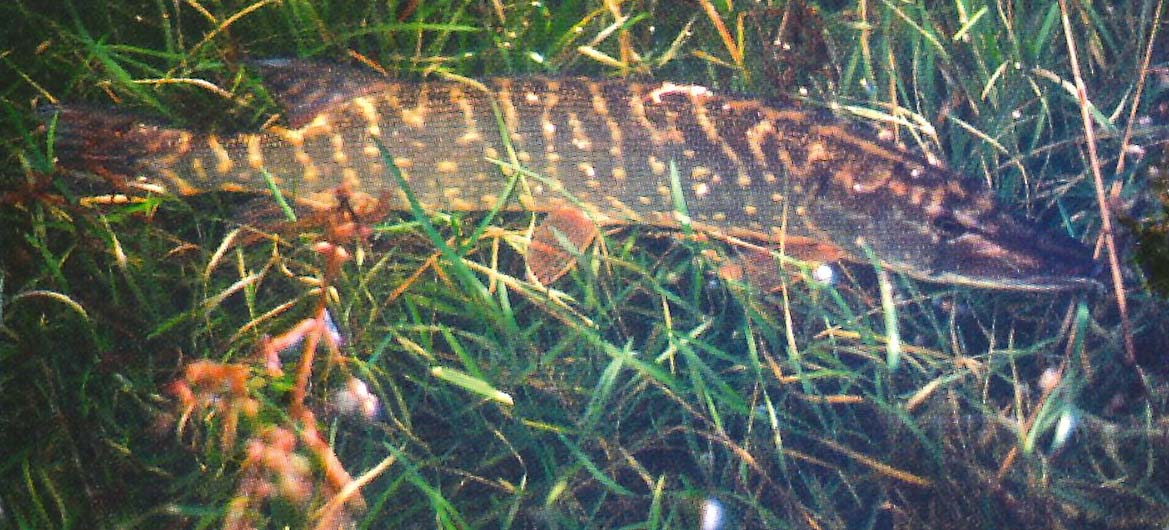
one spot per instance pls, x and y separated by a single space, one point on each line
948 224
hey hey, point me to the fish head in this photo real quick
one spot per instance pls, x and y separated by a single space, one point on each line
877 201
1008 253
970 240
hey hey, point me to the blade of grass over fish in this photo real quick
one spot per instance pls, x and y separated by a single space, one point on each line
892 329
277 195
679 198
508 189
462 272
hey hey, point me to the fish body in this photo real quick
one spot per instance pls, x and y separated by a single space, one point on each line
745 168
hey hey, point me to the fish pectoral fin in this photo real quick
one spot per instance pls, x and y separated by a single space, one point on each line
556 243
759 268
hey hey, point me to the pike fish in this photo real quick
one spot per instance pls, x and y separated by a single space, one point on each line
596 153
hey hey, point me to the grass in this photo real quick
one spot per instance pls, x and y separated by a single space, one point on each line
639 390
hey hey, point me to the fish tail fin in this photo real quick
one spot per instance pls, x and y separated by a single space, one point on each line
111 144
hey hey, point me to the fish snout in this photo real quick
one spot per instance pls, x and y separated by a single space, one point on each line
1010 255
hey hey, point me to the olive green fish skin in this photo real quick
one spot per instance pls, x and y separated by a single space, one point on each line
746 168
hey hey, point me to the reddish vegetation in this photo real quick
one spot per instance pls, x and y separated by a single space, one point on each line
276 458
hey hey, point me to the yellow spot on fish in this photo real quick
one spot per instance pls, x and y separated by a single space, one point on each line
750 210
719 217
468 137
222 158
916 193
293 137
956 188
184 187
255 154
369 111
184 142
777 197
656 166
818 152
415 117
339 155
350 179
319 125
936 197
701 189
312 174
645 201
619 173
446 166
844 178
580 139
699 172
197 167
587 169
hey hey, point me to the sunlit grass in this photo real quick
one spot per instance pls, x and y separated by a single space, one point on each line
641 384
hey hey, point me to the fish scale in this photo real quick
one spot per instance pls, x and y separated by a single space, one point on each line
747 168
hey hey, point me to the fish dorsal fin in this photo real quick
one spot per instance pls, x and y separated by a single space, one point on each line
307 88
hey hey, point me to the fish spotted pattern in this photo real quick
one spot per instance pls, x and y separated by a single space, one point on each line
746 169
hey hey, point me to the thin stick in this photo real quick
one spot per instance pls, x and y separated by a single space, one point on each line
1141 79
1101 197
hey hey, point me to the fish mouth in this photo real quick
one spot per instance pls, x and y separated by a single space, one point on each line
1026 261
1039 283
